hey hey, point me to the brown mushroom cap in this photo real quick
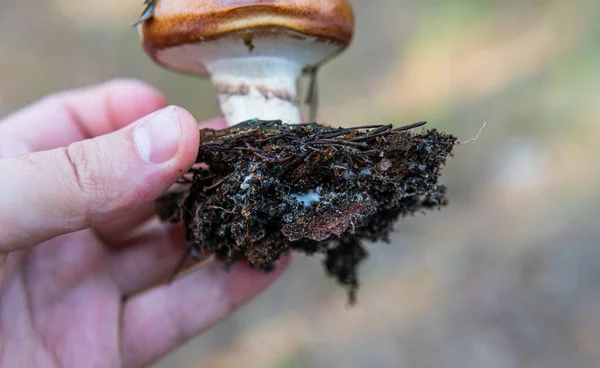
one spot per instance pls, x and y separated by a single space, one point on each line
179 22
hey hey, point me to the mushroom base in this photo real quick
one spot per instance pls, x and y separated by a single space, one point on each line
262 87
268 188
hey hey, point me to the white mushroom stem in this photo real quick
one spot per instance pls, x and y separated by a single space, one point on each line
255 73
263 87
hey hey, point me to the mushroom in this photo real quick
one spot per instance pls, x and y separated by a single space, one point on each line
253 50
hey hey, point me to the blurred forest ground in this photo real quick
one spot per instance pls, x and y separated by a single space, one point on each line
507 276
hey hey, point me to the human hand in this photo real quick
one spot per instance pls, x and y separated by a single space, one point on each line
82 261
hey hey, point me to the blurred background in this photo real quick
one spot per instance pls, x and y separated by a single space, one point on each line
507 276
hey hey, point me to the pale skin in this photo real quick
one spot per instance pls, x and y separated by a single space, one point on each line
82 259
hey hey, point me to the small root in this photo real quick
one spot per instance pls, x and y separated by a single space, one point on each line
476 137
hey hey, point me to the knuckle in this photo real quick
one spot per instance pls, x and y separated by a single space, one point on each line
57 98
84 170
122 81
129 84
85 175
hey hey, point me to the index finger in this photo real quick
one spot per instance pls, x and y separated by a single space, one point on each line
66 117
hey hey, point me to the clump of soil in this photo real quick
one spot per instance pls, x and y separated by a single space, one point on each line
266 188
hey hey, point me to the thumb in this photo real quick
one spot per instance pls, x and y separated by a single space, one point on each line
49 193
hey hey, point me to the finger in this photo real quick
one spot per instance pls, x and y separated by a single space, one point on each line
71 116
115 233
149 258
163 318
96 181
118 233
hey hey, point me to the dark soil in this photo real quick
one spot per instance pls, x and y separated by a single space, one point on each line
266 188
